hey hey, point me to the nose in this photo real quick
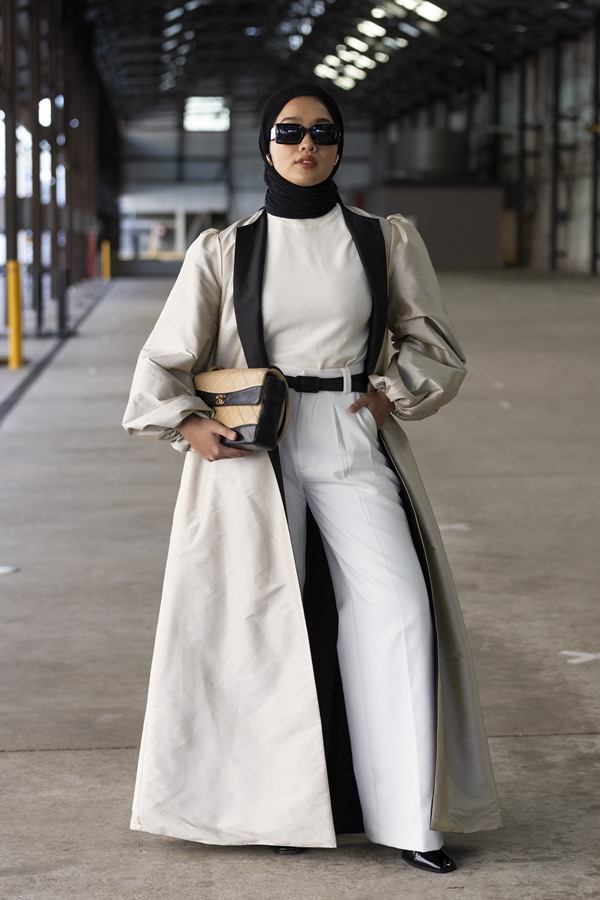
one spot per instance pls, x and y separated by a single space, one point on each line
307 142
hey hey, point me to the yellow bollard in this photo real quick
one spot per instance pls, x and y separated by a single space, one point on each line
13 302
105 259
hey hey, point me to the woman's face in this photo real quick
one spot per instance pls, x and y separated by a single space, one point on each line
306 163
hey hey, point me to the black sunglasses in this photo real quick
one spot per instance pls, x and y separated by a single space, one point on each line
292 133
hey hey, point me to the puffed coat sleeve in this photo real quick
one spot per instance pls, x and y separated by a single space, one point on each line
180 345
427 366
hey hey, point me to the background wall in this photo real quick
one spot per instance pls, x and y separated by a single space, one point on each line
461 226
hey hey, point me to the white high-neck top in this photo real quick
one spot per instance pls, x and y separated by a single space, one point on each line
316 298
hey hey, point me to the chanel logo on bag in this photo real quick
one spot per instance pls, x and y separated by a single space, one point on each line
220 399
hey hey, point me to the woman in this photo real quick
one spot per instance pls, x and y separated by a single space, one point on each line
253 733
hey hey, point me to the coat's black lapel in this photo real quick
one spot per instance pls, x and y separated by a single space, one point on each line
248 276
248 273
370 243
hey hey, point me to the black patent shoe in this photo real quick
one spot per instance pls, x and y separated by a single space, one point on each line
288 851
431 861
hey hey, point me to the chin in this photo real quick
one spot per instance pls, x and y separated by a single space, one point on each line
306 179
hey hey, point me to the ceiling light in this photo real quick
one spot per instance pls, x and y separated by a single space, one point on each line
395 43
169 45
171 30
381 57
355 73
407 4
24 136
323 71
295 41
332 60
357 44
206 114
365 62
173 14
431 12
346 83
378 13
408 29
371 29
306 26
45 112
347 55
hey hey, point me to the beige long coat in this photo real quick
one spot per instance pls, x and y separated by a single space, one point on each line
232 749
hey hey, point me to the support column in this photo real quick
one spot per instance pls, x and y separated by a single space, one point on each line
521 165
13 291
60 232
70 214
36 136
555 166
10 124
595 204
51 85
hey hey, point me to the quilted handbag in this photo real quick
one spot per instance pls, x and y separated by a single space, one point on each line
253 402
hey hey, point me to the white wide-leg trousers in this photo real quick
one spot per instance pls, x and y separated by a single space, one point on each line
332 461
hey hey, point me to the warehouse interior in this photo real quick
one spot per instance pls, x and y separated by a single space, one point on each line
128 128
488 103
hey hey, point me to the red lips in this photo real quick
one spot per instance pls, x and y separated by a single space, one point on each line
307 162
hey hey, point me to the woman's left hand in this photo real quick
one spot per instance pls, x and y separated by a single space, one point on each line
377 402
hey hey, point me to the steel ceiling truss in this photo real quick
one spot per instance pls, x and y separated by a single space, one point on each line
152 54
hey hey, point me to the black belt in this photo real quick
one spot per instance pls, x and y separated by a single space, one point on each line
312 384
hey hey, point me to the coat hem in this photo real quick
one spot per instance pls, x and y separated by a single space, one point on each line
230 841
491 823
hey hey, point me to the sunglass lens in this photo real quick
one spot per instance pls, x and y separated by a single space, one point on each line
288 133
326 134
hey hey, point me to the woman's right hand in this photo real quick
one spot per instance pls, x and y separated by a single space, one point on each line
204 436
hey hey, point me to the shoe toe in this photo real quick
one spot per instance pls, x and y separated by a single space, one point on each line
436 861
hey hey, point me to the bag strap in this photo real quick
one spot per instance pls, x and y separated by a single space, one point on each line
287 410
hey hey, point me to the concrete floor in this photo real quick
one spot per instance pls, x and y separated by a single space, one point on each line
513 471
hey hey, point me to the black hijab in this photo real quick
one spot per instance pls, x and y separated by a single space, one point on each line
293 201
